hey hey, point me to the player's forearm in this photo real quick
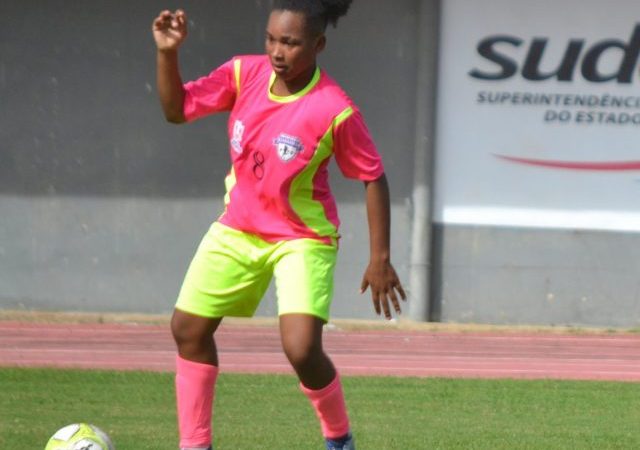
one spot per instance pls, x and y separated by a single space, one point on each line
170 87
379 217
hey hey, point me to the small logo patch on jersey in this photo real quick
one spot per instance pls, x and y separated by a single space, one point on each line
236 140
288 146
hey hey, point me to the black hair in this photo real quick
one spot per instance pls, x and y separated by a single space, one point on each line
319 13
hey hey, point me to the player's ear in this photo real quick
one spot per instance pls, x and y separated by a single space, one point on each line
321 43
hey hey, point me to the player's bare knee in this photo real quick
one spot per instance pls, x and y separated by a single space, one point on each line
302 354
184 333
178 329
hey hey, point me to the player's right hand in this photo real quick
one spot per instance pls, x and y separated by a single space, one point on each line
170 29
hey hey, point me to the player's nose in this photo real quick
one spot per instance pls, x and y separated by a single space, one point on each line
277 53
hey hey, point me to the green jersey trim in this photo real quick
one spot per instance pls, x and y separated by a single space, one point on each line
297 95
309 210
229 183
236 72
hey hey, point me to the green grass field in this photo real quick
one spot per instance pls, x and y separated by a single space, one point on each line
137 410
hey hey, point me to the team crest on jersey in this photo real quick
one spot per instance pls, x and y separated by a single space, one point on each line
236 140
288 146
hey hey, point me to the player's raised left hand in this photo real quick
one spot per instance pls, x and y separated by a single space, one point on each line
170 29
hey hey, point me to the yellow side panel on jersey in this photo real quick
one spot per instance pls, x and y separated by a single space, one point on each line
311 211
229 183
236 71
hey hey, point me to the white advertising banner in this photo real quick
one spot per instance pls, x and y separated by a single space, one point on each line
539 114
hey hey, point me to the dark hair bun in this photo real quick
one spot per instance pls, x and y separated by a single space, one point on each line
319 12
334 9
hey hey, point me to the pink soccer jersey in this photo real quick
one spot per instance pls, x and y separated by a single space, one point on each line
280 148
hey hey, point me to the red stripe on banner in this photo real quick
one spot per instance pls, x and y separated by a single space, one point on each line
575 165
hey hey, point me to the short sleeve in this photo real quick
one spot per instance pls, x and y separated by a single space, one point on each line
213 93
355 151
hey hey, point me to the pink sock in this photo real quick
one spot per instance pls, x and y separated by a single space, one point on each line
195 384
330 408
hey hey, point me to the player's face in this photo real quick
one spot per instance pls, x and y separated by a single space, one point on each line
292 49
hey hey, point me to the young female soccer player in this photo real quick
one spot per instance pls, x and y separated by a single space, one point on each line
287 119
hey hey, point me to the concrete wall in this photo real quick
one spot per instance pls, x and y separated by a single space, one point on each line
102 203
528 276
130 254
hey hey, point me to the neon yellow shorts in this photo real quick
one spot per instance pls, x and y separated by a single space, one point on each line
231 271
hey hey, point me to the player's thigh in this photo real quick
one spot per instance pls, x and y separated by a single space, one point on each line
225 277
304 274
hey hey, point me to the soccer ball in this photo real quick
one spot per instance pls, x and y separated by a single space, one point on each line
80 436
